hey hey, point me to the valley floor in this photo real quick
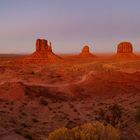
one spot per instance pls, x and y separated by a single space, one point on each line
37 99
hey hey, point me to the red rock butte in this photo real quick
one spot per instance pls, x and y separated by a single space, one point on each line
43 53
125 47
125 50
86 52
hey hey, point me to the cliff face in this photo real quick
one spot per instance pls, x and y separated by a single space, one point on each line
125 47
42 46
125 50
43 53
86 52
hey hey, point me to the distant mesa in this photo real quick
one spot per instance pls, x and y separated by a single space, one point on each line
86 52
125 50
43 53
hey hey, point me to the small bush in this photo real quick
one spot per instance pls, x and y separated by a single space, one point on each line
112 115
43 101
35 120
70 124
116 111
24 125
28 136
89 131
137 114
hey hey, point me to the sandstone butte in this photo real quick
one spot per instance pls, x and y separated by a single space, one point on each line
86 52
125 50
43 54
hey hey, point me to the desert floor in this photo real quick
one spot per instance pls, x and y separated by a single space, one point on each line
36 99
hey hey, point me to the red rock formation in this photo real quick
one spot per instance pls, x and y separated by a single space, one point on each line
125 50
43 53
125 47
86 52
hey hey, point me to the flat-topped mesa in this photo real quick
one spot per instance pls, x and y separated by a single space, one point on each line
43 53
125 47
86 52
125 50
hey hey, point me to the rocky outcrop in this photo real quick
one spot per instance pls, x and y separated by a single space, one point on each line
86 52
42 45
125 50
43 53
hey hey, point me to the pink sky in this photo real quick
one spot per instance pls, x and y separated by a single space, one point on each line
69 24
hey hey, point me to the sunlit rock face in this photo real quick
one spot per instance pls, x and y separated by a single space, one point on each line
125 51
86 52
125 47
42 45
43 53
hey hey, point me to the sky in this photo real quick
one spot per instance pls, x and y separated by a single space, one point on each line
69 24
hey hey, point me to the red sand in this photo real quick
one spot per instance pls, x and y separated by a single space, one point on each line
36 99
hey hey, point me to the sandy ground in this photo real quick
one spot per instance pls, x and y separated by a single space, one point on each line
36 99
